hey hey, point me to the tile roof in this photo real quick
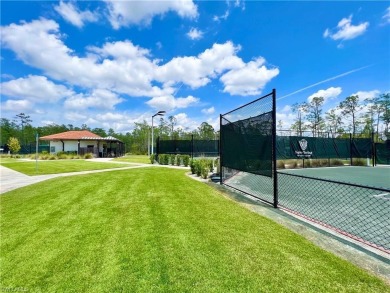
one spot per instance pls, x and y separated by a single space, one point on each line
72 135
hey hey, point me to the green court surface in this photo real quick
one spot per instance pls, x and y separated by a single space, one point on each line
368 176
361 213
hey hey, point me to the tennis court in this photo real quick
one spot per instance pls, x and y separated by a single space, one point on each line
367 176
354 210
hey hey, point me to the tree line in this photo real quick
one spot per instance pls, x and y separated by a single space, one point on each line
361 118
137 141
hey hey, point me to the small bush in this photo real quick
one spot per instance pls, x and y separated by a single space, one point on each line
53 157
88 156
163 159
280 165
218 165
152 158
359 162
211 165
186 160
192 166
172 159
62 155
204 169
178 160
198 168
336 162
315 163
307 164
324 162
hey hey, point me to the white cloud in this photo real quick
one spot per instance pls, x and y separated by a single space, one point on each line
126 13
328 94
35 88
386 16
345 30
195 34
210 110
72 14
197 71
186 123
111 117
249 79
169 102
19 105
125 68
366 94
287 118
99 98
76 117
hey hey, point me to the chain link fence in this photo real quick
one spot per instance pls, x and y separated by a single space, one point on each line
359 212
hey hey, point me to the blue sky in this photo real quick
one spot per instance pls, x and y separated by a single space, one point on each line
109 64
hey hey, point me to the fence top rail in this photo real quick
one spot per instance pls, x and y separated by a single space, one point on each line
263 97
338 182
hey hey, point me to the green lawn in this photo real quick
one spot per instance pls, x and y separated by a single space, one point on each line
143 159
58 166
156 230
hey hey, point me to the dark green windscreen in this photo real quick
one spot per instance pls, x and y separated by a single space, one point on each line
247 144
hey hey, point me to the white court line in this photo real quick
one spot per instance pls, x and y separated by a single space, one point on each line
382 195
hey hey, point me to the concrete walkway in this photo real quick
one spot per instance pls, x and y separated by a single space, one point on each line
10 179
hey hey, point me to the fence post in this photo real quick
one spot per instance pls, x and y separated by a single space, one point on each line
275 172
373 148
350 149
220 150
157 147
192 146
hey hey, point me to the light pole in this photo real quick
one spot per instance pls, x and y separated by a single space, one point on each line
159 113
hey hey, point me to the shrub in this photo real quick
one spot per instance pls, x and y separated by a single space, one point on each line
204 169
198 168
163 159
178 160
218 165
280 164
53 157
88 156
211 165
62 155
307 163
152 158
358 162
324 162
315 163
186 160
336 162
192 166
172 159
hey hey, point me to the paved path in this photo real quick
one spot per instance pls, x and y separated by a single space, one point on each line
11 179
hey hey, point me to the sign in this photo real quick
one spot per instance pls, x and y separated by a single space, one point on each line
303 153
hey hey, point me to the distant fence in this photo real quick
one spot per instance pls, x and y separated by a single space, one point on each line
31 149
382 153
324 147
192 147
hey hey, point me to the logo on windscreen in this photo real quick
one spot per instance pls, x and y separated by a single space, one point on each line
303 153
303 144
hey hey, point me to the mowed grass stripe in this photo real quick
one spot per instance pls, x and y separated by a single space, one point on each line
60 166
155 230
